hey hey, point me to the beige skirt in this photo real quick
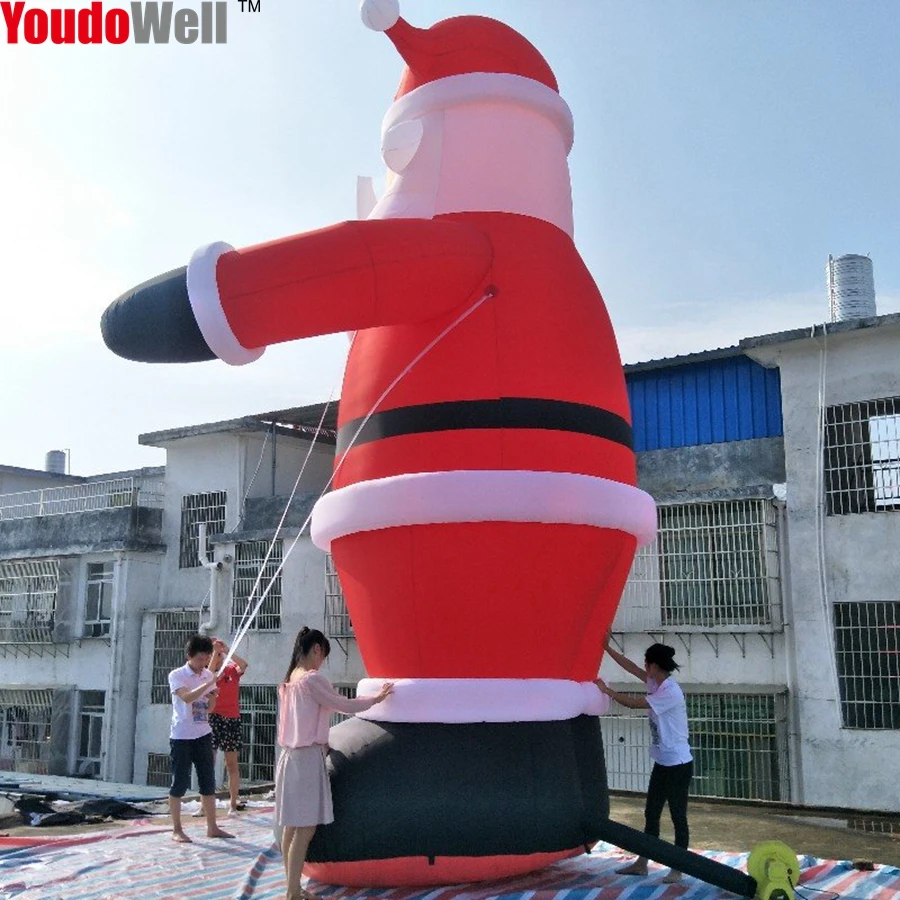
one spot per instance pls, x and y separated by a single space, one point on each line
302 788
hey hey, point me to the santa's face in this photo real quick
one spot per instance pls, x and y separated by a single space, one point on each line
449 148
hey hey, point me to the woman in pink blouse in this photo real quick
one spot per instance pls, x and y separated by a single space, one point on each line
306 700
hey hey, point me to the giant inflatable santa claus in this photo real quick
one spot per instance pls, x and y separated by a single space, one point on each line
484 514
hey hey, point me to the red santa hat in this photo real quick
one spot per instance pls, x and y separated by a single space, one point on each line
469 46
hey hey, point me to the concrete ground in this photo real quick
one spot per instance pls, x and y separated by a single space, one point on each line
736 827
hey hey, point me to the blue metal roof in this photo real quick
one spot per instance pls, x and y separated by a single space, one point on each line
710 402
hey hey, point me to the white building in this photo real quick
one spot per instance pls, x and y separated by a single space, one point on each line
776 465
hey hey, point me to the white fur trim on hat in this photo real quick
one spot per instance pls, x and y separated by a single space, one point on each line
203 293
430 498
459 700
379 15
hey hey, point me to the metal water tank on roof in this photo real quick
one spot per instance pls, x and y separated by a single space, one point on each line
851 287
55 462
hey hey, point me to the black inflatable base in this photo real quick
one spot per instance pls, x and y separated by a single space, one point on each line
485 789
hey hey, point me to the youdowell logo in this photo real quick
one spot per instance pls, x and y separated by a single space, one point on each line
144 23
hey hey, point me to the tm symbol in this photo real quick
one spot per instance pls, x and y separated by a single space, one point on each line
249 5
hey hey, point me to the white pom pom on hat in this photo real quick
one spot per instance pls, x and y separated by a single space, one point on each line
379 15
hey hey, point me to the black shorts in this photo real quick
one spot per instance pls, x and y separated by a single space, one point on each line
226 732
198 753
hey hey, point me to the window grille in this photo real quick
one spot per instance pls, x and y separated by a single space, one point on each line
256 760
337 618
739 743
25 730
712 564
345 690
98 602
173 628
159 770
28 592
249 556
626 742
90 733
208 508
862 457
867 645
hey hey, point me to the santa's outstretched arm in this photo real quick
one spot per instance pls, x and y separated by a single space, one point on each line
231 304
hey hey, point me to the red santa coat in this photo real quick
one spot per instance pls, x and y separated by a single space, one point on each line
529 386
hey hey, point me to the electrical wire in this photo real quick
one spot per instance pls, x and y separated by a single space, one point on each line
243 505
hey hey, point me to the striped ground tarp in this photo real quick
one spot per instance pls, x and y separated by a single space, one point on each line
141 861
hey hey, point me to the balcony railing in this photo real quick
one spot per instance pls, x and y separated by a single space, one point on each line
78 498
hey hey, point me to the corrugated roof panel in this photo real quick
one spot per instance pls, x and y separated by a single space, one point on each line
710 402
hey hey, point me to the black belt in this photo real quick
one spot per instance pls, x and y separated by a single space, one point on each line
507 412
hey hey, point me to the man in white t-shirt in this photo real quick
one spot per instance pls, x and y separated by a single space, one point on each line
673 763
194 693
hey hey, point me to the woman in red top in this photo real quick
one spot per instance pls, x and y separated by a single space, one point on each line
226 721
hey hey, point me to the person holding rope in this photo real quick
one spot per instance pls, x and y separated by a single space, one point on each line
306 699
673 765
226 720
194 694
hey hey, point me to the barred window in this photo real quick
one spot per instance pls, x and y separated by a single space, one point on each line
90 733
862 457
25 717
173 628
867 646
249 556
208 508
256 760
159 769
718 563
739 743
98 602
345 690
28 595
337 618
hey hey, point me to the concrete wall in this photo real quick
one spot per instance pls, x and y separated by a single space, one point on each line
711 467
289 454
720 664
136 589
839 766
131 527
194 465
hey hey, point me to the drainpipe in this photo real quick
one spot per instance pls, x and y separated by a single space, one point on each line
215 569
115 701
794 737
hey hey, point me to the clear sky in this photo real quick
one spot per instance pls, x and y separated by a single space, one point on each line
723 148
